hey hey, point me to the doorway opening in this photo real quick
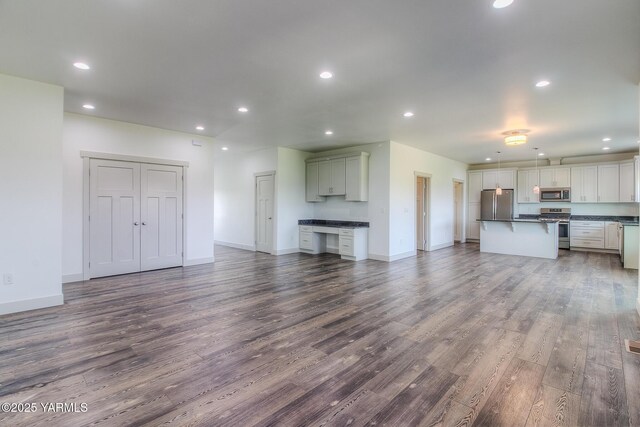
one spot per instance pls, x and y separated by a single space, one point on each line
422 191
458 211
264 212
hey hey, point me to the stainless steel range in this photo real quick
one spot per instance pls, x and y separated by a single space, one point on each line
562 215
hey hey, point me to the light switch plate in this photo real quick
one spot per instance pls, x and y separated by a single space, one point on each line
7 279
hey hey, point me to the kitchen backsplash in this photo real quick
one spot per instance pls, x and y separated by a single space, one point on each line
614 209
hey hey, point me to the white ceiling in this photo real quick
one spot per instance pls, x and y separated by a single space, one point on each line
467 70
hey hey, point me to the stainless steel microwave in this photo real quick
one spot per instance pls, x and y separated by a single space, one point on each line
555 195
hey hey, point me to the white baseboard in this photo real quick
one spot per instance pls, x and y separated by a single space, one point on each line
70 278
442 246
235 245
287 251
31 304
392 257
198 261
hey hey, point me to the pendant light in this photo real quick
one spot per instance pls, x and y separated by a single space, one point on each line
536 188
498 188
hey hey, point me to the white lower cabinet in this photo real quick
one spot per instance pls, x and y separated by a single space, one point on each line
473 226
611 235
587 234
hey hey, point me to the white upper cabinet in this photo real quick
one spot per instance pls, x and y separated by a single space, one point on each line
527 179
627 182
475 186
357 178
331 177
504 178
312 194
555 178
346 175
584 184
609 183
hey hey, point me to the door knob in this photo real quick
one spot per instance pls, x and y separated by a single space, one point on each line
144 223
135 223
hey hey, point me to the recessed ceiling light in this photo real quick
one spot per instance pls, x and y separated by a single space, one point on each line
225 148
408 114
243 110
488 159
326 75
199 127
540 154
543 83
89 107
499 4
328 132
81 66
607 139
606 148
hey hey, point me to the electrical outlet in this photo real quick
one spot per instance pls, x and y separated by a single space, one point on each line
7 279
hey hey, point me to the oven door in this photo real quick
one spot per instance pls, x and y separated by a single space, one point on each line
564 240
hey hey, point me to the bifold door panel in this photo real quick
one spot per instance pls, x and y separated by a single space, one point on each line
135 217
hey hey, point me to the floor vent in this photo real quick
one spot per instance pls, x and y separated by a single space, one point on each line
632 346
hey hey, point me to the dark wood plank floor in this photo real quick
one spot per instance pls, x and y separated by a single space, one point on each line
451 338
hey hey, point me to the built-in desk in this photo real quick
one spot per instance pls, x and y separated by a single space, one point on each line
352 238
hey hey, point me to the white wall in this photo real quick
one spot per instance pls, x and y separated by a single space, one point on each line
86 133
31 189
405 161
235 194
290 196
376 210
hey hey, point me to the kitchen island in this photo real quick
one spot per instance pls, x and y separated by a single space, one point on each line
524 237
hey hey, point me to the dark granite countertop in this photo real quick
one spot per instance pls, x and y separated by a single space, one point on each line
334 223
529 220
626 220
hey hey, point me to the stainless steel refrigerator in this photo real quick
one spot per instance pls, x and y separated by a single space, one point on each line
493 206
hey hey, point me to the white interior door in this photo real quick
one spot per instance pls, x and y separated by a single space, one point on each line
420 214
161 216
264 213
458 206
114 217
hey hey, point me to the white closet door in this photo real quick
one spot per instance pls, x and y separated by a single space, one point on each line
264 213
161 216
114 217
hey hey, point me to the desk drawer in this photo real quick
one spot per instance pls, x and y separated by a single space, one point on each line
306 240
346 246
346 232
306 228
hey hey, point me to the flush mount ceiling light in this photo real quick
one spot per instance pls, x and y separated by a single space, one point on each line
328 132
606 148
81 66
243 110
543 83
488 159
606 139
225 148
408 114
326 75
199 127
540 154
499 4
515 137
89 106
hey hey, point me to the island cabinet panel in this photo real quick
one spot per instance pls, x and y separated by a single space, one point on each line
555 177
609 183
